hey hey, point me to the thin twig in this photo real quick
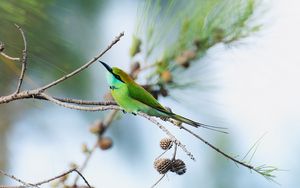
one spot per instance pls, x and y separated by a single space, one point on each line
35 92
66 100
174 154
85 162
217 149
159 180
16 179
9 57
86 182
23 60
176 141
56 177
106 122
5 55
84 66
77 107
24 184
85 102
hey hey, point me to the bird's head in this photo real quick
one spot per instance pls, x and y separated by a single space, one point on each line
116 75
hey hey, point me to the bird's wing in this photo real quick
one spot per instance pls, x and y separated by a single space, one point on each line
140 94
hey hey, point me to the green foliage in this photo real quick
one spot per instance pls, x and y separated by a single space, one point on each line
176 34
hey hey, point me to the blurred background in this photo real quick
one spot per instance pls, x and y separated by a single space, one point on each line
246 80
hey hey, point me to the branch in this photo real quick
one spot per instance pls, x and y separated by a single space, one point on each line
106 122
176 141
5 55
23 60
84 102
24 184
217 149
117 39
9 57
16 179
77 107
159 180
36 92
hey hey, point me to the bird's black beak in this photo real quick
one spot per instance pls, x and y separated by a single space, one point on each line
106 66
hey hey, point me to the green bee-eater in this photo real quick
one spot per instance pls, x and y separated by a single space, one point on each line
133 98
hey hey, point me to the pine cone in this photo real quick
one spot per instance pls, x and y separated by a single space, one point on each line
105 143
166 143
162 165
178 166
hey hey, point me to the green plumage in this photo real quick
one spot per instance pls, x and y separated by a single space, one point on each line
133 98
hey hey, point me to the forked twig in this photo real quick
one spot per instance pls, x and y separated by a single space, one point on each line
106 122
24 184
36 92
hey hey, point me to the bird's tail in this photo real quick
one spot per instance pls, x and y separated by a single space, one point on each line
197 124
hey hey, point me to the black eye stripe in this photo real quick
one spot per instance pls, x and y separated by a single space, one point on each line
118 77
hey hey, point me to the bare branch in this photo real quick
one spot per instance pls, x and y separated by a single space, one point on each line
176 141
77 107
83 178
23 60
5 55
36 92
84 102
107 122
16 179
85 162
9 57
56 177
24 184
84 66
159 180
217 149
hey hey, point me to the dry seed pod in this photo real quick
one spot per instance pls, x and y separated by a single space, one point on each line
189 54
197 42
166 76
97 127
84 148
73 165
178 166
162 165
105 143
166 143
182 61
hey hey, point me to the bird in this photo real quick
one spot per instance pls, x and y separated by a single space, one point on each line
133 98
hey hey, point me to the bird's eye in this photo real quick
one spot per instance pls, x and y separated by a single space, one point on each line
119 78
